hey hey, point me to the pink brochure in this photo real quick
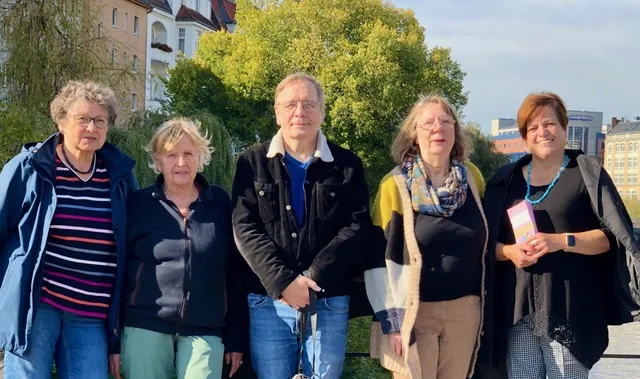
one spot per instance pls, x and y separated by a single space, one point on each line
522 221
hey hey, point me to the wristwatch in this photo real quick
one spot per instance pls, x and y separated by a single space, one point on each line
571 241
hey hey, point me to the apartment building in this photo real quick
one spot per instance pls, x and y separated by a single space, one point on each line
622 154
124 24
174 29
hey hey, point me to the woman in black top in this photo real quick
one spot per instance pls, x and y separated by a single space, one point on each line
554 292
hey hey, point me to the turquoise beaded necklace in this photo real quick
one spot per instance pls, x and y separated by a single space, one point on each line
553 182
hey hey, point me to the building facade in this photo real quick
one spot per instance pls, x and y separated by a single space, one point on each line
124 24
622 155
174 29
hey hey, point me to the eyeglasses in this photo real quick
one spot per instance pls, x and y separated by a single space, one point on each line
83 121
308 106
430 124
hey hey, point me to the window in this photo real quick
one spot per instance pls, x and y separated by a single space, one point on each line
636 147
616 162
634 194
100 29
197 5
136 63
136 25
610 148
134 101
198 40
629 194
114 17
126 21
114 52
630 147
181 35
124 58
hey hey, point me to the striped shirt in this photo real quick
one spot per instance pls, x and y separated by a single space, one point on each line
80 255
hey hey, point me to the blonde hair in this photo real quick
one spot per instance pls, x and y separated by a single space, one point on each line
405 143
94 92
300 77
167 136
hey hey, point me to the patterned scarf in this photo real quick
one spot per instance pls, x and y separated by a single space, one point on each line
427 199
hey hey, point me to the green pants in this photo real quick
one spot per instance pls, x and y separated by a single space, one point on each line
151 355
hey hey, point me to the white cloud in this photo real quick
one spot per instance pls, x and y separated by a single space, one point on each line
587 51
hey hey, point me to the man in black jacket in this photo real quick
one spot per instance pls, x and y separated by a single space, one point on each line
301 219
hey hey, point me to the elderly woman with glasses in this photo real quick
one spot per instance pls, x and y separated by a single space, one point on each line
426 281
62 242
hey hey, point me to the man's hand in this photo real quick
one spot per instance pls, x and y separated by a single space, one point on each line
395 339
114 365
296 295
522 255
233 359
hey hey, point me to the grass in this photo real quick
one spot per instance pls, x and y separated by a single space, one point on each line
358 341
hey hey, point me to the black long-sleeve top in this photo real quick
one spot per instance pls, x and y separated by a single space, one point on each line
564 291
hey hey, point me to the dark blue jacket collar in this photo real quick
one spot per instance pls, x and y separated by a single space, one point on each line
205 191
43 157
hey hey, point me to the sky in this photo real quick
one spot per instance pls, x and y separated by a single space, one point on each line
586 51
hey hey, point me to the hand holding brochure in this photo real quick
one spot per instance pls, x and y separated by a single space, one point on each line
522 221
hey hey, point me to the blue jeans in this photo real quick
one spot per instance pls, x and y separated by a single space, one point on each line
274 341
77 344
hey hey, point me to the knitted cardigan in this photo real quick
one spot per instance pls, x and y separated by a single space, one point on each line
392 277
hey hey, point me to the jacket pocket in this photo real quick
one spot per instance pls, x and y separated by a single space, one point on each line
330 200
267 195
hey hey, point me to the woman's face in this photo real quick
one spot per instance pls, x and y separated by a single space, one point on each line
85 127
179 165
435 130
545 136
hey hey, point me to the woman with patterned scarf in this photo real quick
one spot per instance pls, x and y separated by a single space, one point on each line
426 276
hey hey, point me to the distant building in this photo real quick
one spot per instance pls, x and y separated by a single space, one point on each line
582 133
621 157
175 27
124 24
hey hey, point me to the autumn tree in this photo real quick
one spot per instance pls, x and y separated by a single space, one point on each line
483 151
370 56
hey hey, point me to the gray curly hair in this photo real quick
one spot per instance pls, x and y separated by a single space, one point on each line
75 90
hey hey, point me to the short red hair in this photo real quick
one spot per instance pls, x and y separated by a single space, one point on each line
533 105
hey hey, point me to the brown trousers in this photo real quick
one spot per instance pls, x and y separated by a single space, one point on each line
446 333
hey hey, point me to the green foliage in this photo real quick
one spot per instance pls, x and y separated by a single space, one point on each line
369 55
483 152
20 125
139 128
46 43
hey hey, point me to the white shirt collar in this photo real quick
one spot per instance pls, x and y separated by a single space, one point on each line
322 147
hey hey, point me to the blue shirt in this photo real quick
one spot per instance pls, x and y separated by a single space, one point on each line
298 173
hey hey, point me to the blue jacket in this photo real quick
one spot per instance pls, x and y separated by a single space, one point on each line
27 204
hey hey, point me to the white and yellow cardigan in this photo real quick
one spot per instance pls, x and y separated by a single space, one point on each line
393 276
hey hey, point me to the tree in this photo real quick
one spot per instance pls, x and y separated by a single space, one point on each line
45 43
370 57
483 152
